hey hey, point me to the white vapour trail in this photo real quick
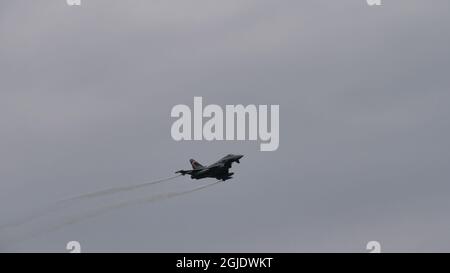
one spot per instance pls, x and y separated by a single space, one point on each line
107 209
134 202
117 190
65 202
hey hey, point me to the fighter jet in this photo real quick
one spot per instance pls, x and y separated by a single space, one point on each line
218 170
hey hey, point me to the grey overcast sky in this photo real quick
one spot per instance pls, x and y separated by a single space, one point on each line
364 94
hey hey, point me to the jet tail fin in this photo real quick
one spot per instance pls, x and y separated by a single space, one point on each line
195 165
